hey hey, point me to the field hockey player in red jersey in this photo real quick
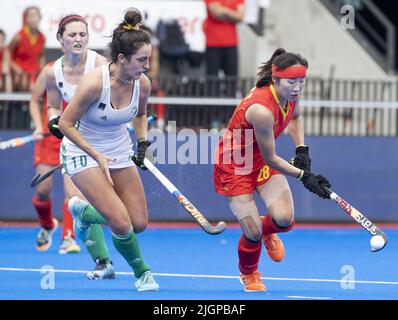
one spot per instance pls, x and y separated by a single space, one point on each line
246 162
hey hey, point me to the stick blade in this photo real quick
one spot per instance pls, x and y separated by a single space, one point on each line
34 181
381 233
213 230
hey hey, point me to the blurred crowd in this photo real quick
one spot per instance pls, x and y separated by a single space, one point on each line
23 54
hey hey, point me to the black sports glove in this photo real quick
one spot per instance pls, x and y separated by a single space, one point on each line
302 159
53 127
139 156
315 183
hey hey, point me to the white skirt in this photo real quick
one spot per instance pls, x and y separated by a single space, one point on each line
77 160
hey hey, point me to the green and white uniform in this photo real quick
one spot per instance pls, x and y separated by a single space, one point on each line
68 90
104 128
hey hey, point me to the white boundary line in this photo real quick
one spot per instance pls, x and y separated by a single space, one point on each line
311 298
209 276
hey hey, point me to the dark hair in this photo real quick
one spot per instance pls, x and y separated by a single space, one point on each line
3 33
128 37
68 19
282 60
147 29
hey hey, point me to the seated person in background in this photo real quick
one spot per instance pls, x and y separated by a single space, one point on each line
153 71
5 79
27 51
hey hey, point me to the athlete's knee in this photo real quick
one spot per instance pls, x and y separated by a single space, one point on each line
139 219
120 227
284 221
252 233
284 225
43 191
43 194
252 227
119 221
248 217
140 226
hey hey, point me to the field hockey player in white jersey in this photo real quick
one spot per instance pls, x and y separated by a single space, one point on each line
61 82
97 151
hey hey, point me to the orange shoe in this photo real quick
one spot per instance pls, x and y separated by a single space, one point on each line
252 282
274 246
44 237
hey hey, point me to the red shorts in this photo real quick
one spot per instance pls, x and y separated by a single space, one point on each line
47 151
228 184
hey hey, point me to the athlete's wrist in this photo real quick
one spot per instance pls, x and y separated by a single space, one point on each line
300 175
96 155
54 116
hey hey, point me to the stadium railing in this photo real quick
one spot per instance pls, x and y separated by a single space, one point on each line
329 106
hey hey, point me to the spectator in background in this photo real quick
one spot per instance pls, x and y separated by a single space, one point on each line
5 79
172 45
27 51
153 72
222 38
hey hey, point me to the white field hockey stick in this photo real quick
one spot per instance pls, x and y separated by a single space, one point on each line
19 141
38 178
188 206
359 218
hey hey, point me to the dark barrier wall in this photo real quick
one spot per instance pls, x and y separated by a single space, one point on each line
364 171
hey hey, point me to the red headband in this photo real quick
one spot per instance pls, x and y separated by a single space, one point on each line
289 72
75 17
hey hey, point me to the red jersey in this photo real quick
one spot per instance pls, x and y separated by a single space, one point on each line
238 150
221 33
46 151
27 53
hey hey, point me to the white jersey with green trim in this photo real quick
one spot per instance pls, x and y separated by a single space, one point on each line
105 129
68 90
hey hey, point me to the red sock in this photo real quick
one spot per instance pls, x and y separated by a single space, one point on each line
43 209
67 224
270 226
249 254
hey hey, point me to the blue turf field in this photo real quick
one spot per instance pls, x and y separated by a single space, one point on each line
189 264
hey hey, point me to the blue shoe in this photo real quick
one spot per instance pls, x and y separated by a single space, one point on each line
146 282
76 207
103 270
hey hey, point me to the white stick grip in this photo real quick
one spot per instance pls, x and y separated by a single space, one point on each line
333 196
188 206
166 182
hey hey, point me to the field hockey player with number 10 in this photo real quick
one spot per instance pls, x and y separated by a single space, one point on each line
97 153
